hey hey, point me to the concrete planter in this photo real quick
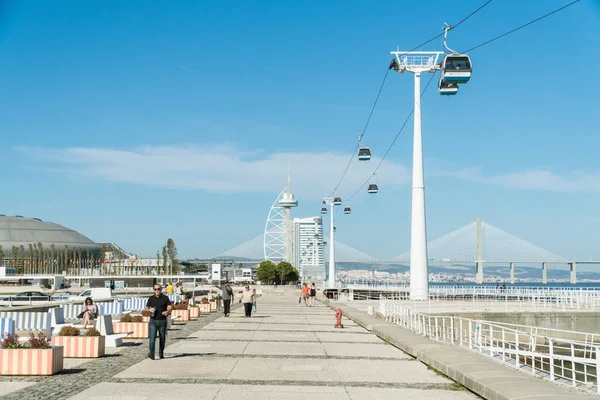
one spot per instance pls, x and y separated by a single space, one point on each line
139 329
213 306
80 346
194 312
204 308
31 361
184 315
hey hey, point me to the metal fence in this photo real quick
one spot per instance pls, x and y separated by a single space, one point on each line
548 354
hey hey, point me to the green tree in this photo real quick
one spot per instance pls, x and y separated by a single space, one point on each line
165 256
1 256
42 258
287 273
52 257
29 269
172 253
267 272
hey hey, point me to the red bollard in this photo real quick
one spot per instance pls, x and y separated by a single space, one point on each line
338 316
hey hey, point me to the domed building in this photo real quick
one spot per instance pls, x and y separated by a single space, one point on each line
30 244
19 231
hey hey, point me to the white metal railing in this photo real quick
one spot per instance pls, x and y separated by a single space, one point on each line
560 298
550 354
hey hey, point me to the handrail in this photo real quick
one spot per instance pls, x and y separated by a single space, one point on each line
559 359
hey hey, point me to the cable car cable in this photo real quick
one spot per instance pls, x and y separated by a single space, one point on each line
522 26
364 130
471 49
383 83
453 27
393 142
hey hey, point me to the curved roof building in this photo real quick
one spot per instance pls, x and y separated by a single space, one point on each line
17 231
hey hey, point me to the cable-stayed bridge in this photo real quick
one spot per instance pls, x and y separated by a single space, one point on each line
477 242
460 245
252 250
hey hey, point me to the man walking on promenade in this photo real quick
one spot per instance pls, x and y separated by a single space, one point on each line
227 295
160 307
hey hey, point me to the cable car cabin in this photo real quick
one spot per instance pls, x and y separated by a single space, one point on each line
347 210
447 88
456 68
373 188
323 210
337 201
364 154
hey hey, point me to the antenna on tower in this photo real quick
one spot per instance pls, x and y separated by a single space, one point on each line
289 177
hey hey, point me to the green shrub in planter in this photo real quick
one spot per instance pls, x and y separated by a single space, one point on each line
69 331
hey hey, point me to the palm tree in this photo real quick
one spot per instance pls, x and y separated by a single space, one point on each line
66 258
1 256
41 254
13 256
22 256
52 260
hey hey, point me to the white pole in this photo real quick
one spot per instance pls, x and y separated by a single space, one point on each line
331 280
419 285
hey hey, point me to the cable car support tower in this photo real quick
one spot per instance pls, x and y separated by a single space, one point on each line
417 62
455 69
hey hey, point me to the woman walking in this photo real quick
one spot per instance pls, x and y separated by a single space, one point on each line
312 293
248 297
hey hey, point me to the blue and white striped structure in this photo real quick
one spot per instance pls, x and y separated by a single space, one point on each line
113 308
29 321
71 311
174 298
135 303
7 326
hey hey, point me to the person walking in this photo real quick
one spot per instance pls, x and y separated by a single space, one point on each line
160 307
247 298
254 301
227 295
312 294
305 292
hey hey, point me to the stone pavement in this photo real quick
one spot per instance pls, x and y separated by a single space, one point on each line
285 351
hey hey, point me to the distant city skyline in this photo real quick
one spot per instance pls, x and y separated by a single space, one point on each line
133 123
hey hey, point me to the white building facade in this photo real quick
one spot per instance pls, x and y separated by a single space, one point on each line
308 248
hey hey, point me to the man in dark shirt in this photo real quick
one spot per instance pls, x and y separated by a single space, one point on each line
160 307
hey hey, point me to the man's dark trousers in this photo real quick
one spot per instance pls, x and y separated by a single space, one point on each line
160 326
227 306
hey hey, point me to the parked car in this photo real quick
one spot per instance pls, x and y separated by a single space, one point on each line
27 297
94 293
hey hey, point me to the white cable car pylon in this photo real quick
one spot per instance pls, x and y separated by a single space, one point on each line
364 152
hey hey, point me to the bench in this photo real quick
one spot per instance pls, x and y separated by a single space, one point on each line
105 326
30 321
57 319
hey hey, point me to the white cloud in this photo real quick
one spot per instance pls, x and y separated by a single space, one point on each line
534 179
217 168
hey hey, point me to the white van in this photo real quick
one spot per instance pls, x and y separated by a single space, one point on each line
95 293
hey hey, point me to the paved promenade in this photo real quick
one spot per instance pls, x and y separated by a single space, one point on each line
285 351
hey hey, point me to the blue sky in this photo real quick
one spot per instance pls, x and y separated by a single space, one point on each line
134 122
